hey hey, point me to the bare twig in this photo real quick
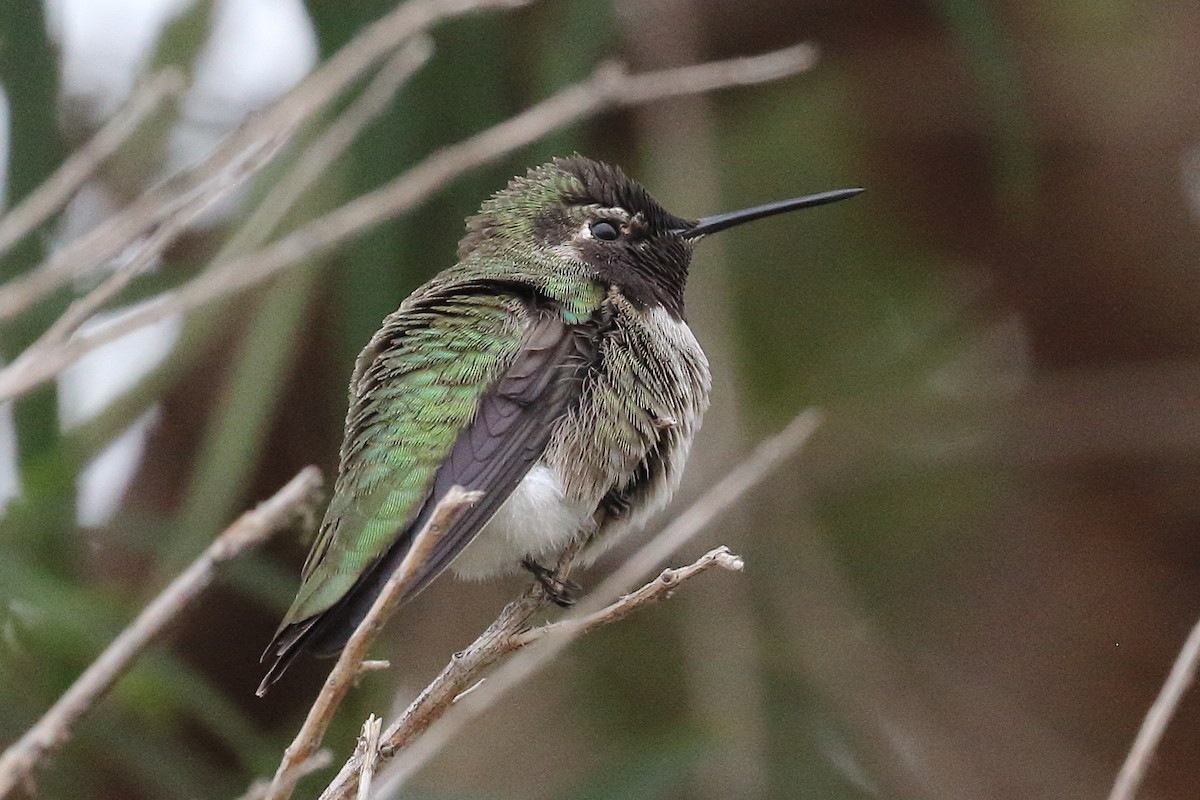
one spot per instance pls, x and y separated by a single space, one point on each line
447 700
346 670
56 190
658 589
317 762
1183 672
608 88
370 755
267 131
54 728
328 148
143 256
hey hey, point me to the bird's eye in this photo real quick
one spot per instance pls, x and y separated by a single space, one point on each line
605 231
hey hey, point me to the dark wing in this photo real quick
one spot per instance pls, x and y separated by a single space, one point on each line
508 433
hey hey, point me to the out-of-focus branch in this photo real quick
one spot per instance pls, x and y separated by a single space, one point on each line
328 148
142 257
254 143
56 190
452 698
610 87
1183 672
54 728
348 665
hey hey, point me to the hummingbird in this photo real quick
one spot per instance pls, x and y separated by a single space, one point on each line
551 368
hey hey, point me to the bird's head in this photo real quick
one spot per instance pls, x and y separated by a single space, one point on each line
588 212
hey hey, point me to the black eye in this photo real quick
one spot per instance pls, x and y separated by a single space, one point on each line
605 231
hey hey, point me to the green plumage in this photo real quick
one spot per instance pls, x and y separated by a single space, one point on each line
415 388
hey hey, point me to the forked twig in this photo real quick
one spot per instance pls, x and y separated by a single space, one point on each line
658 589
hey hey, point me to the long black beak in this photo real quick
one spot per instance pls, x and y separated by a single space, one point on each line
719 222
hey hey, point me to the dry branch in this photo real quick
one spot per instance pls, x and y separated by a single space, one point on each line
56 190
608 88
254 143
319 761
658 589
456 695
1183 672
370 754
507 634
328 148
346 670
54 728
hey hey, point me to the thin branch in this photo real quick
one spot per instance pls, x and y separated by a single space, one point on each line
56 190
457 678
608 88
446 698
370 755
143 256
319 761
328 148
346 670
1183 672
262 134
18 762
658 589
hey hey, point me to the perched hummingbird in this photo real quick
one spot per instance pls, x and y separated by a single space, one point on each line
550 368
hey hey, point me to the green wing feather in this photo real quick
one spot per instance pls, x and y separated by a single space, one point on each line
461 386
416 386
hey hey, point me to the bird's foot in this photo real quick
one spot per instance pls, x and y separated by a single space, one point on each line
561 591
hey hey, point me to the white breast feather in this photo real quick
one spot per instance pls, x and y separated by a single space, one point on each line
537 521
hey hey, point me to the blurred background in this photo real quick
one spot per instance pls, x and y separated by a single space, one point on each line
971 583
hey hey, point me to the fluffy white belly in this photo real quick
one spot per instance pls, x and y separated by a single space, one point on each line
537 521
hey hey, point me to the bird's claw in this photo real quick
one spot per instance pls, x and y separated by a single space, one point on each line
562 591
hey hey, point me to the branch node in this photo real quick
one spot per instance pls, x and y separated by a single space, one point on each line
371 665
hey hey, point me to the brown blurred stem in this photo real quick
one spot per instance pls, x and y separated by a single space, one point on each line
1183 672
19 761
722 656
